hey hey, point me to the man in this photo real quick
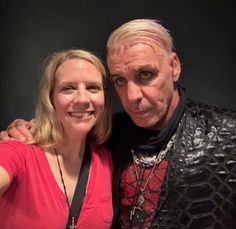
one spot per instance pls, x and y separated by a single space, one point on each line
175 159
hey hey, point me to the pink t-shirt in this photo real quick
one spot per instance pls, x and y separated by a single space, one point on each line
34 199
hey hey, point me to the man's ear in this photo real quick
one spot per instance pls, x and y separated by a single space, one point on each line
176 66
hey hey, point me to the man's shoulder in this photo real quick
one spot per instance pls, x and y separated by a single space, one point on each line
121 118
210 112
122 130
123 123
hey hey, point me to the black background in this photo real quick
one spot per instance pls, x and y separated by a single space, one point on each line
204 34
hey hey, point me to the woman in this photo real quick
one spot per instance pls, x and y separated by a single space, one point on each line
38 180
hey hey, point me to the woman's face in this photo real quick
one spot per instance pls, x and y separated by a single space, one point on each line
78 96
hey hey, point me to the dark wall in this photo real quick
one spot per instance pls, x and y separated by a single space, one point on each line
204 33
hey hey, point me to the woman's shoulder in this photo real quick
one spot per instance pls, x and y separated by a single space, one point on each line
13 144
17 146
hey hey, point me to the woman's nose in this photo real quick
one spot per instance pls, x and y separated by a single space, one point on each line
81 97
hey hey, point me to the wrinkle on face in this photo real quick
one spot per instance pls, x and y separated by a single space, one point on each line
158 96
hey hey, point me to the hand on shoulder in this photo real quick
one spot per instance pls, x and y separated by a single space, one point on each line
19 129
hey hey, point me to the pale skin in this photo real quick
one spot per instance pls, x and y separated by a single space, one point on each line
145 77
78 99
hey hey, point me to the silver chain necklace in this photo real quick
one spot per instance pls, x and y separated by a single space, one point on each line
146 162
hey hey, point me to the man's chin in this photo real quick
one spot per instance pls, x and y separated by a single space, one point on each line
141 123
147 123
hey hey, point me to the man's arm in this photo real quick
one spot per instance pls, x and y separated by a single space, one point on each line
19 129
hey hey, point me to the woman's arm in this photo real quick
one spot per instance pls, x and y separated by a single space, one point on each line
4 180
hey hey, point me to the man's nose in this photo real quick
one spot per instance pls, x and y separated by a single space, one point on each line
134 92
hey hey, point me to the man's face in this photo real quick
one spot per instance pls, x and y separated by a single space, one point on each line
145 77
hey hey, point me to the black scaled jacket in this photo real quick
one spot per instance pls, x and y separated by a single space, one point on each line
199 190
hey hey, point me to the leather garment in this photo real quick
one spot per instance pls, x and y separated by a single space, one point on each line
199 190
200 187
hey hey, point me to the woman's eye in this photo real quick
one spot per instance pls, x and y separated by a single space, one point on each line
67 89
94 88
118 81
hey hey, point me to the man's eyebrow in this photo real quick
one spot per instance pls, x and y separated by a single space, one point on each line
146 67
113 75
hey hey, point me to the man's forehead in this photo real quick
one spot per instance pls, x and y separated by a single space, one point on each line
133 69
138 54
123 45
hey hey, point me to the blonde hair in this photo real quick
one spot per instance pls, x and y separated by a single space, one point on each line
140 30
47 130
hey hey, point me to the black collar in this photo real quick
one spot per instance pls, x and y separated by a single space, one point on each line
151 141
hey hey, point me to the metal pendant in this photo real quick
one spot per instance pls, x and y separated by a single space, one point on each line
140 200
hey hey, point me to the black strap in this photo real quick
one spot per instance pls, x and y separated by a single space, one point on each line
80 189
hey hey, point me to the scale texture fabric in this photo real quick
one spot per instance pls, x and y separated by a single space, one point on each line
199 189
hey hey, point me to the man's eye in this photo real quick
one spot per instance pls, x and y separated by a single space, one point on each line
118 81
146 75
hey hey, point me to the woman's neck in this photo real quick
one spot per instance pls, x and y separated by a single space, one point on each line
72 150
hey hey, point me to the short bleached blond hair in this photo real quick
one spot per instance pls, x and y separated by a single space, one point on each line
138 30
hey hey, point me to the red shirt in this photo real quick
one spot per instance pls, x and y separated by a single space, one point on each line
150 181
34 199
